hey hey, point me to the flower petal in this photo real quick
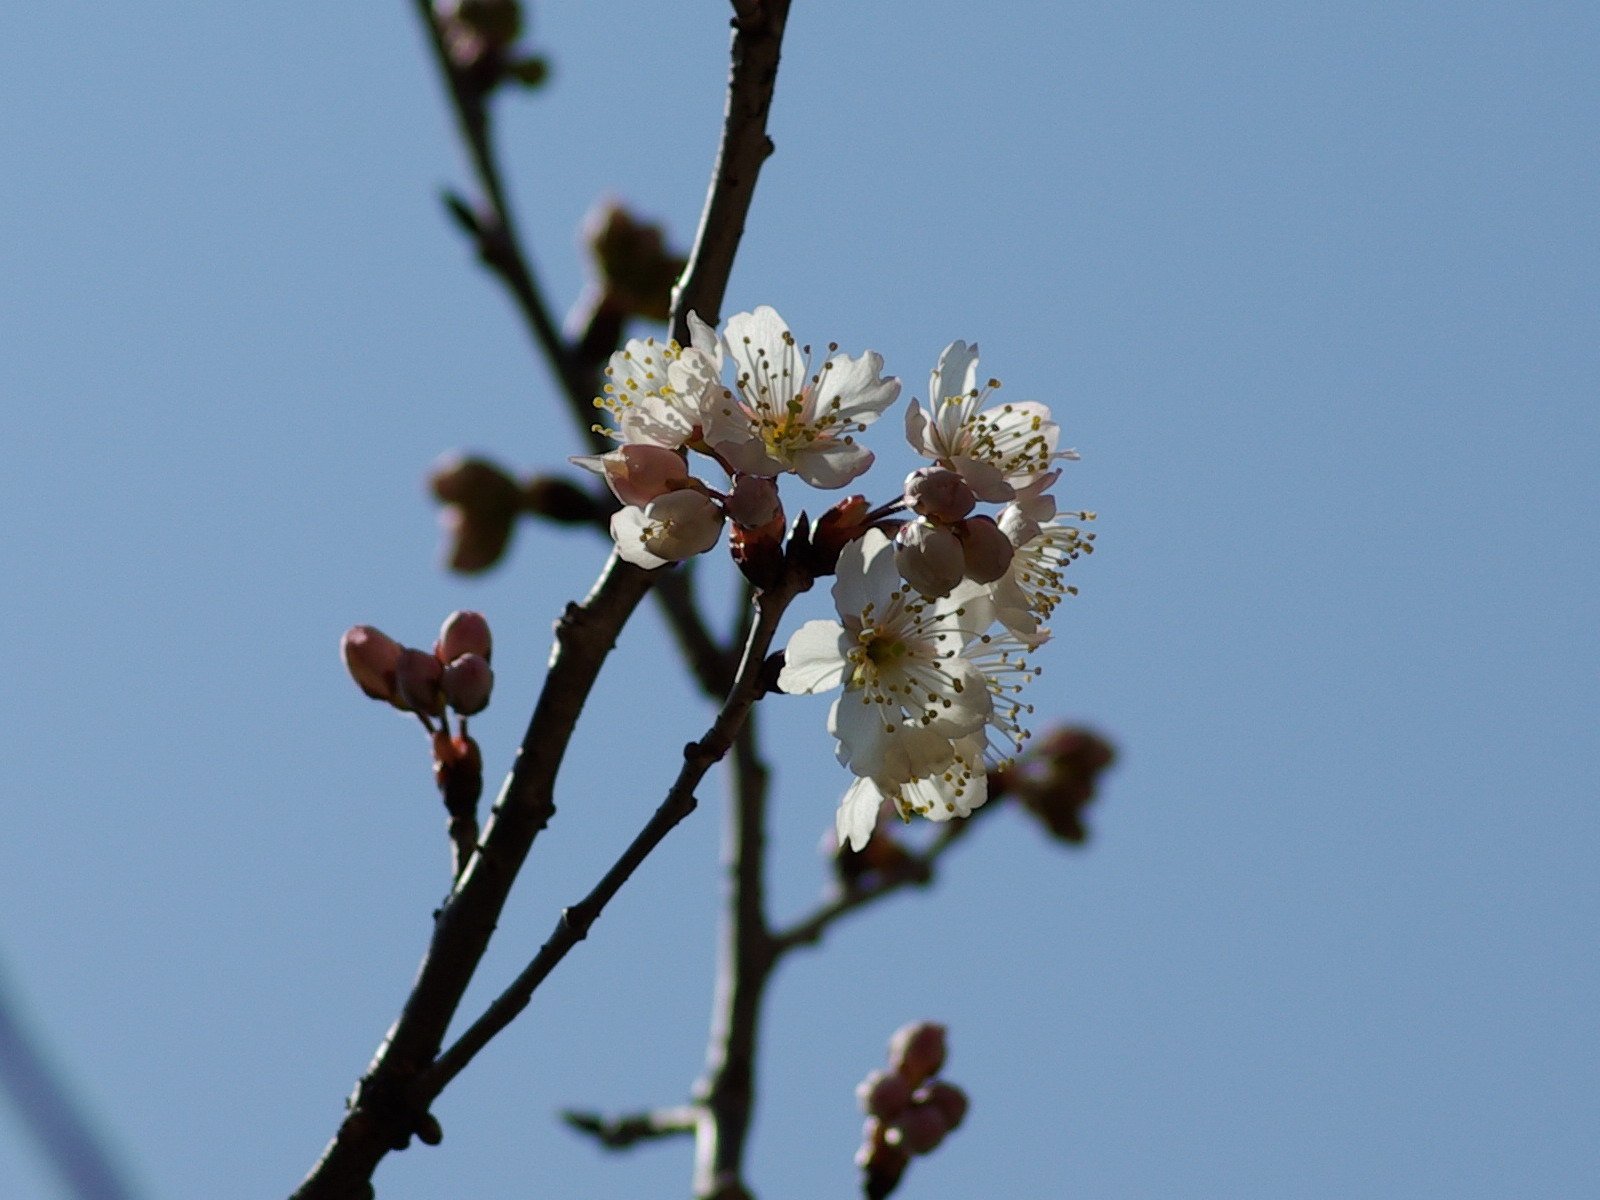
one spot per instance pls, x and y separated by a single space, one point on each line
815 658
858 813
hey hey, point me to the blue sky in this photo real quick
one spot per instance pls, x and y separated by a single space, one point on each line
1312 288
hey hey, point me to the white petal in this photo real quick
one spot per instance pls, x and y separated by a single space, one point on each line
815 658
832 462
955 375
627 530
770 369
858 814
850 388
917 431
866 574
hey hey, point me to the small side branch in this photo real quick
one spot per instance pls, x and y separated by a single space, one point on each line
916 871
621 1133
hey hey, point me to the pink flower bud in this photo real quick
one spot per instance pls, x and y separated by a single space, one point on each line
417 676
939 493
929 557
637 473
986 549
919 1129
370 656
466 683
463 633
917 1051
754 501
947 1098
883 1094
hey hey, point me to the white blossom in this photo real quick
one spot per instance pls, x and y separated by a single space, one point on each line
908 689
997 450
780 417
658 392
671 528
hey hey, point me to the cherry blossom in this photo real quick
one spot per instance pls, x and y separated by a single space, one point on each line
779 417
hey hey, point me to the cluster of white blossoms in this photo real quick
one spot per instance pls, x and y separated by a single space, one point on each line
940 607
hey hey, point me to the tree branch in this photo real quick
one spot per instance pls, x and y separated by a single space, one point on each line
726 1091
757 40
495 230
574 923
382 1117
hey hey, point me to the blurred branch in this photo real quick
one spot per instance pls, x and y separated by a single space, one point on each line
757 40
619 1133
47 1109
726 1091
493 226
574 923
381 1117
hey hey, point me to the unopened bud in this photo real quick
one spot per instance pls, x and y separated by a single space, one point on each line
987 550
754 501
483 504
417 677
947 1098
919 1129
370 656
466 683
938 493
929 557
497 21
1056 779
882 1163
636 269
917 1051
883 1094
477 482
834 530
464 633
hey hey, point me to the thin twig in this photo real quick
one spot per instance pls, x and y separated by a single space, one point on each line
757 40
495 229
574 923
620 1133
916 871
381 1117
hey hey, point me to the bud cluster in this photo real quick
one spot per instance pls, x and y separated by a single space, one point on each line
454 674
909 1112
479 39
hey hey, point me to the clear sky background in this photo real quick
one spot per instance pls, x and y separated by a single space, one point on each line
1313 288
